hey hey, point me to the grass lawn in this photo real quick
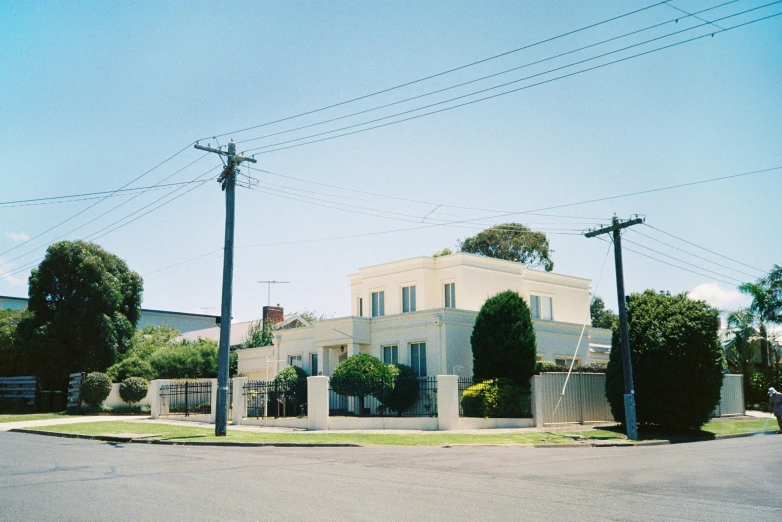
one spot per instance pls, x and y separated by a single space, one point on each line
16 417
729 427
187 433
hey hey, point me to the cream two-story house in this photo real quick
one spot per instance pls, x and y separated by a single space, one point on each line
421 312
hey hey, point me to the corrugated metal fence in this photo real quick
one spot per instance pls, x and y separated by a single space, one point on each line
584 399
731 396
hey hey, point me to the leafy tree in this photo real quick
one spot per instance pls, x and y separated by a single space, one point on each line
131 367
150 339
677 361
766 306
742 346
12 360
512 242
313 316
503 339
186 360
291 384
85 305
260 333
359 376
601 316
444 252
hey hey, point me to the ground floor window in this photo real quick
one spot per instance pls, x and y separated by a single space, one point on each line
314 364
391 354
418 358
294 360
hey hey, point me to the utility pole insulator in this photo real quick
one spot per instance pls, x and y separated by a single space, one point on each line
615 229
228 180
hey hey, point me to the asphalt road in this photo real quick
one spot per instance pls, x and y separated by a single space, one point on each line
45 478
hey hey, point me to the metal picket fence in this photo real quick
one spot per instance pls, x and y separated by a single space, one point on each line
187 398
415 397
276 399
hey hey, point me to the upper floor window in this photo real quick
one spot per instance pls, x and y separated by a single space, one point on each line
391 354
361 307
418 358
449 290
378 303
540 307
408 299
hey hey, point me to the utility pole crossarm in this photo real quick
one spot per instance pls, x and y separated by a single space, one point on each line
617 225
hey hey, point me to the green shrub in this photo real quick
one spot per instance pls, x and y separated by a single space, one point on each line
402 390
549 367
503 339
133 389
95 388
496 398
290 382
131 367
677 361
359 376
186 360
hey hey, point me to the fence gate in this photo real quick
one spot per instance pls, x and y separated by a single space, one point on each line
187 398
584 399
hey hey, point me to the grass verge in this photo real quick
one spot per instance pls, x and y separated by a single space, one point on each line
193 434
17 417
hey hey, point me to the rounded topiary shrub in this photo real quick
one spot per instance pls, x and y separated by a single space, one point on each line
359 376
290 382
95 388
496 398
503 339
403 388
677 361
133 389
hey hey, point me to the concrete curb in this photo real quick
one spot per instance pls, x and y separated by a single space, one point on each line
598 444
130 440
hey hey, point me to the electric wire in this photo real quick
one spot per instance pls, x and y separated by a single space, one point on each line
506 71
705 249
98 202
459 68
518 89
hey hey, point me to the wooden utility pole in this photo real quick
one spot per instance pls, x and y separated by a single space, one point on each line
624 332
228 180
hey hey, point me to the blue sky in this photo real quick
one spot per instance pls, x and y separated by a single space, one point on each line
93 94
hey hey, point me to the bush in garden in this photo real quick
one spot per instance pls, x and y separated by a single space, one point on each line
403 388
131 367
496 398
290 383
186 360
133 389
359 376
677 361
503 339
95 388
549 367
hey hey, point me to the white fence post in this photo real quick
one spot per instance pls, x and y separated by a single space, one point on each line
448 402
239 405
213 408
318 403
155 400
537 400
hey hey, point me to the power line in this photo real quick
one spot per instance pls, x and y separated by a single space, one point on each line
406 84
98 216
98 202
691 254
86 195
543 82
706 249
506 71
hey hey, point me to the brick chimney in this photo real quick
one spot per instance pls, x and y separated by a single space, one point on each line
273 313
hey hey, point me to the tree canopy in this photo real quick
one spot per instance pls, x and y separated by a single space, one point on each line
503 339
511 242
260 333
601 316
85 304
12 358
677 361
766 307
